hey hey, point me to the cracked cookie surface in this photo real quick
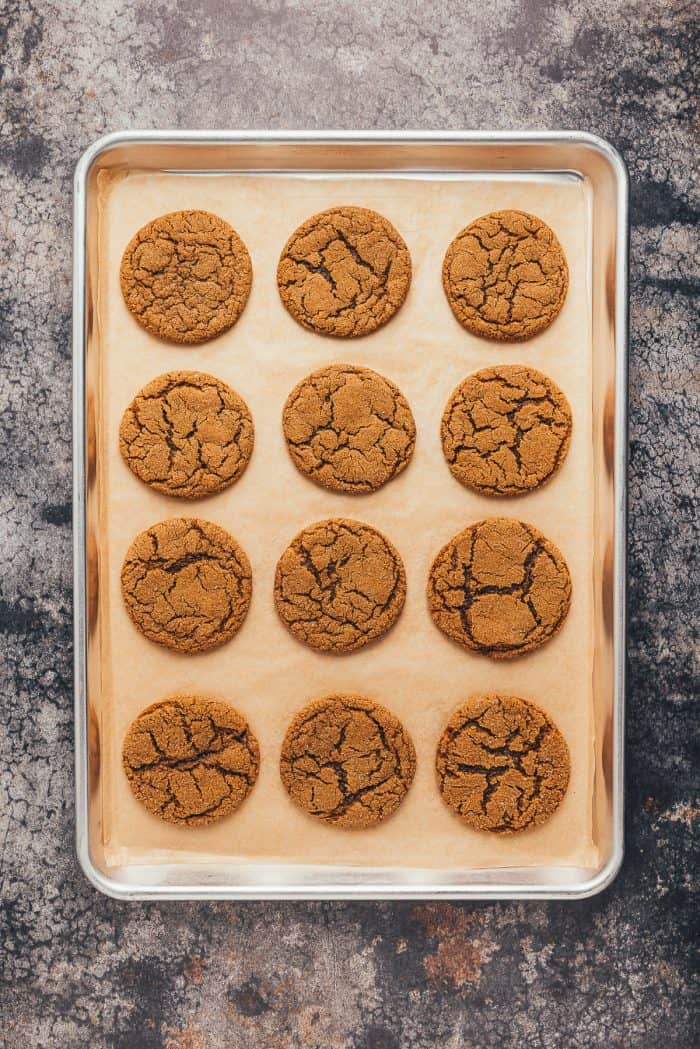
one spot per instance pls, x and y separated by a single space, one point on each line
339 585
344 272
186 276
347 760
348 428
500 587
187 434
506 430
190 760
502 764
186 584
505 276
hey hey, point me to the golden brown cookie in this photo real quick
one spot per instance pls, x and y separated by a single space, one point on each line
500 587
187 434
190 760
339 584
505 276
347 760
348 428
502 764
344 272
506 430
186 584
186 276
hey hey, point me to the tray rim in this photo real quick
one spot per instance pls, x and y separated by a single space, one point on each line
338 891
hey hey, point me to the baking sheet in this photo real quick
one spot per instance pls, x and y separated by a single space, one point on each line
414 670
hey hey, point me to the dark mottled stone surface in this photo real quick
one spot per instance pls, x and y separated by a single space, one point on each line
78 969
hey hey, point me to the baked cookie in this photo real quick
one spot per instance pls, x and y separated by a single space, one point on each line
187 434
186 584
347 760
186 276
339 584
506 430
190 760
344 272
348 428
502 764
505 276
500 587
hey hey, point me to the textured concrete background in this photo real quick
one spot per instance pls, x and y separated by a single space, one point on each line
78 969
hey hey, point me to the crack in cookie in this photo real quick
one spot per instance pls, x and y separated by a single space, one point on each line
344 272
186 276
187 434
500 587
502 764
347 760
339 585
186 584
348 428
190 760
505 276
506 430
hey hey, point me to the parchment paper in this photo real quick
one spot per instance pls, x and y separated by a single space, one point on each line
414 670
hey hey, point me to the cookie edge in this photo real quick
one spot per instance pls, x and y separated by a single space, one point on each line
489 332
210 380
342 488
192 699
320 704
401 587
453 720
247 279
313 219
563 451
215 642
530 646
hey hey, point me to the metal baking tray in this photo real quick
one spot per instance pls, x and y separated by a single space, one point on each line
456 155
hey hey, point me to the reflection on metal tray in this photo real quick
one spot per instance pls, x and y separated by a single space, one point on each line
474 158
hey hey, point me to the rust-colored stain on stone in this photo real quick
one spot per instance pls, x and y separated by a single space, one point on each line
681 812
460 954
187 1038
194 968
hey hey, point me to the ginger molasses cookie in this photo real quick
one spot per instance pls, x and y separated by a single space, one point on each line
187 434
186 276
506 430
344 272
499 587
190 760
348 428
505 276
502 764
347 760
339 584
186 584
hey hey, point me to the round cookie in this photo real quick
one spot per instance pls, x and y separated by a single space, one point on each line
502 764
339 585
505 276
347 760
344 272
186 584
500 587
187 434
190 760
506 430
348 428
186 276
